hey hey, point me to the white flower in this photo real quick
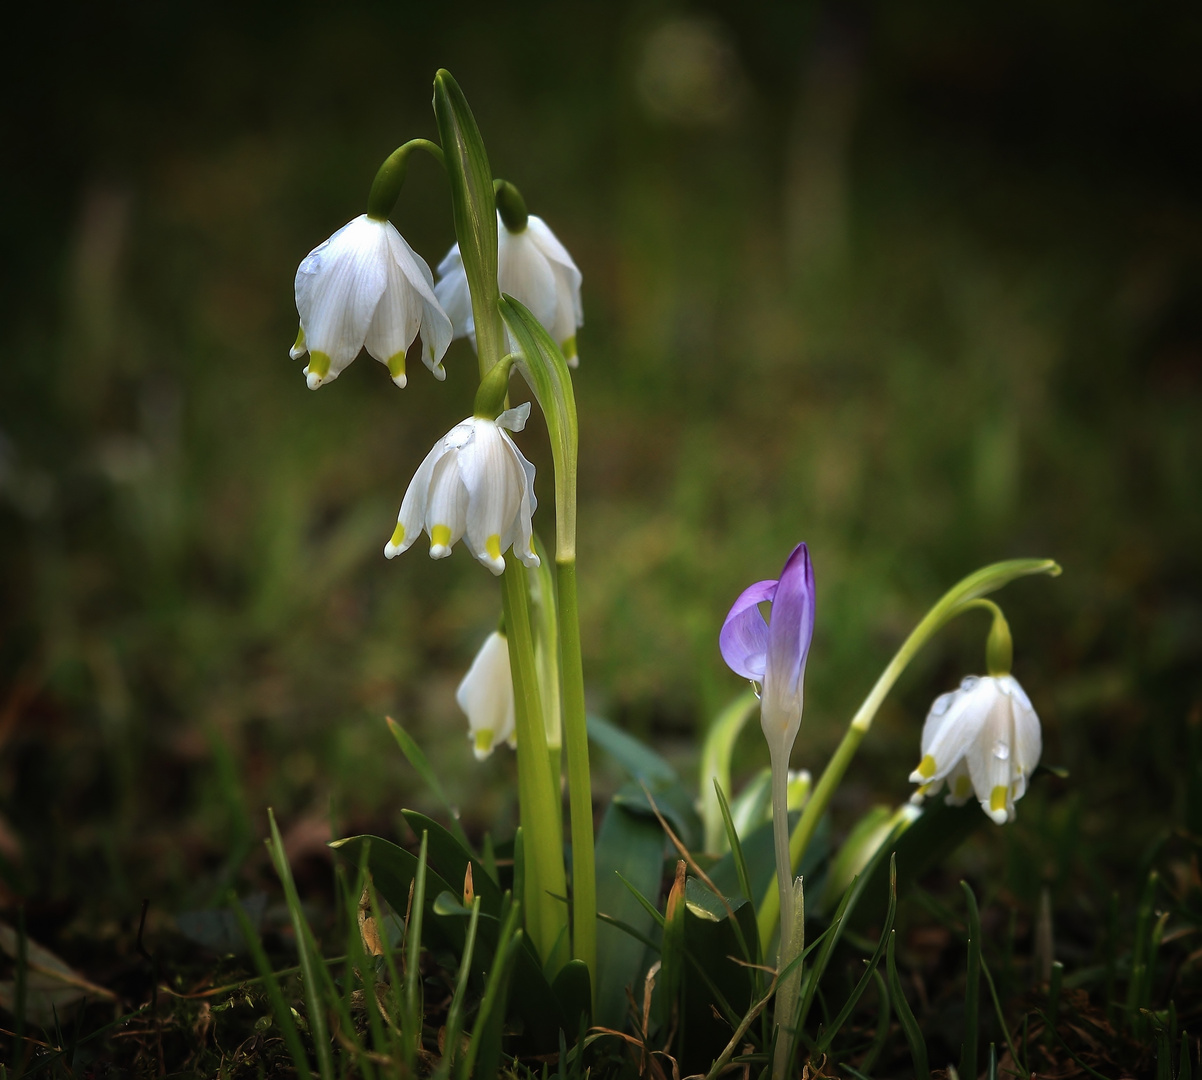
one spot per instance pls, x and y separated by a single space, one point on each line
365 286
486 696
983 737
533 267
474 481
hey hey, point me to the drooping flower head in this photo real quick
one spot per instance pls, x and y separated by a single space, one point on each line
983 737
486 697
532 267
475 482
773 652
366 287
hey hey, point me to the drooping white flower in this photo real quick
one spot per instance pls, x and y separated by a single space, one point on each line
533 267
475 482
983 737
486 697
366 287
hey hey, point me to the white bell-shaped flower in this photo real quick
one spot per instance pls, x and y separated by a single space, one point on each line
366 287
475 482
983 737
486 697
533 267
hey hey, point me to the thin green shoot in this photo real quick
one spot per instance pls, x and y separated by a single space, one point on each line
972 986
914 1038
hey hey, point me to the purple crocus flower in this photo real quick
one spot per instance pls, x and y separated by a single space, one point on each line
773 653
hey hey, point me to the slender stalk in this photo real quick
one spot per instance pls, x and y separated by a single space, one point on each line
546 915
580 791
803 832
386 187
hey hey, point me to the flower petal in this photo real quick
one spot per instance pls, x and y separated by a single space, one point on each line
495 482
744 637
412 515
525 273
453 293
486 696
338 286
447 504
791 627
951 727
398 314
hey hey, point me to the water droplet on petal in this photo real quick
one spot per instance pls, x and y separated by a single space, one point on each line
969 683
1001 751
942 703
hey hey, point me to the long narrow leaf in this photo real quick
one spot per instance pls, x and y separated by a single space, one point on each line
972 989
283 1014
918 1046
736 845
832 1029
300 927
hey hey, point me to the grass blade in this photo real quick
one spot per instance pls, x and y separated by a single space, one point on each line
485 1044
411 1031
918 1046
309 978
736 846
881 1035
283 1014
972 989
455 1013
832 1029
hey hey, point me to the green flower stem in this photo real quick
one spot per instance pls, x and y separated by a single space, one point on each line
386 188
545 881
580 792
961 597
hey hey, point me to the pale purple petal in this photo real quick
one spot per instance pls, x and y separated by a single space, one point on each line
791 626
744 637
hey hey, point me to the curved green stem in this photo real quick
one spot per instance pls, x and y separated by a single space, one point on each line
962 596
390 177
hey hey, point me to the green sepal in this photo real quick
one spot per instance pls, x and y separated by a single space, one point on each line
510 205
542 365
493 390
473 209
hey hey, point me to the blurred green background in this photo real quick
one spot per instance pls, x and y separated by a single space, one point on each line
920 284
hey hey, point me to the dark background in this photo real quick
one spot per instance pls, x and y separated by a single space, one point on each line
920 284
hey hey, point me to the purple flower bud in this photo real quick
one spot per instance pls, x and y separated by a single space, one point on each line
773 653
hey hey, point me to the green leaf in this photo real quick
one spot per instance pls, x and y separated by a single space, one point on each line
630 845
572 992
542 366
918 1046
734 844
712 941
473 209
451 859
413 753
672 798
639 760
715 765
393 870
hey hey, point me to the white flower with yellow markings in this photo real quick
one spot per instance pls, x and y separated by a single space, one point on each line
474 483
982 738
532 267
365 287
486 697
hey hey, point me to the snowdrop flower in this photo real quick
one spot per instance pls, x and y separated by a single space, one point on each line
475 482
982 738
533 267
366 287
486 697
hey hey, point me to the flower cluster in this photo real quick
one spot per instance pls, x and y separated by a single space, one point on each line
366 288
